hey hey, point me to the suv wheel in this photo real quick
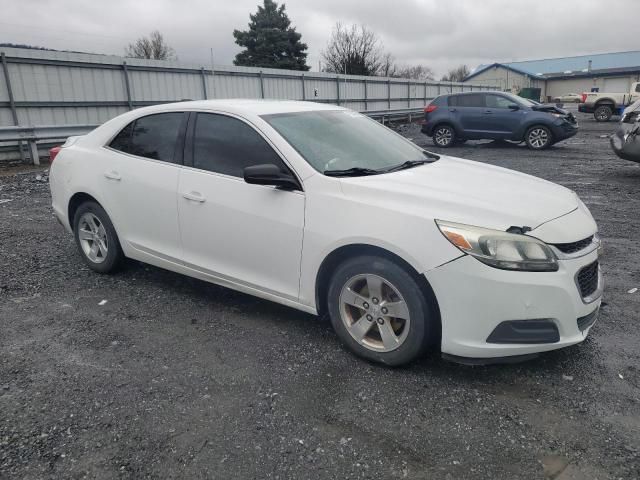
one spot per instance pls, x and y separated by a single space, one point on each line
96 238
603 113
379 311
444 136
538 137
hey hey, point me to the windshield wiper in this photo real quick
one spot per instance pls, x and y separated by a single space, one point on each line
352 172
407 164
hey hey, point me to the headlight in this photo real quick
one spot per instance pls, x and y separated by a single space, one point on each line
508 251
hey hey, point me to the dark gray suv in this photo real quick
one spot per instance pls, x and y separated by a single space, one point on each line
496 116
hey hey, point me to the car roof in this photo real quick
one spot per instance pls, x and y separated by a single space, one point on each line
242 106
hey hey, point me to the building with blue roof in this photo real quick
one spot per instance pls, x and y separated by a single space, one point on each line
606 72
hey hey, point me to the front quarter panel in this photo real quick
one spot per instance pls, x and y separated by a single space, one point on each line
334 220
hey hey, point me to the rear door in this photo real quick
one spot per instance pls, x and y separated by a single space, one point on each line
140 182
235 232
469 108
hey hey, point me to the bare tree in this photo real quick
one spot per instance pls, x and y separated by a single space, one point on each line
153 47
416 72
457 74
388 67
355 50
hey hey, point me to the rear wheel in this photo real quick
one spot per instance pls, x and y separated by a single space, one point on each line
538 137
96 238
444 136
603 113
379 311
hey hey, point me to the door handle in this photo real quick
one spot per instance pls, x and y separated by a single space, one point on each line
194 197
112 175
488 112
452 109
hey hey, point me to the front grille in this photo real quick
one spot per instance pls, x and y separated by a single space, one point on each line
588 279
574 247
588 320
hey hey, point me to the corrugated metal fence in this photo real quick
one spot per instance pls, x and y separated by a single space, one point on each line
60 88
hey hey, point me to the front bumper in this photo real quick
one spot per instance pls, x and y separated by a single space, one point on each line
563 129
474 299
625 144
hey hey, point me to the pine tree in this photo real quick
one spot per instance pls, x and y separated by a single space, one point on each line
271 42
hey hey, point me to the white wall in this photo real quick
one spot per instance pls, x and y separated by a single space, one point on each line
620 84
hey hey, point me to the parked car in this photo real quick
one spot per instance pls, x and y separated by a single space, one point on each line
498 116
626 141
568 98
325 210
604 105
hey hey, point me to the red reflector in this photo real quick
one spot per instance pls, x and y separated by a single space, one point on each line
53 152
429 108
584 97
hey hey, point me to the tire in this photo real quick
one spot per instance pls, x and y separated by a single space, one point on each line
94 233
538 137
410 336
444 136
603 113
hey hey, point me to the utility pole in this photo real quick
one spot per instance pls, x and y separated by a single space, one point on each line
213 77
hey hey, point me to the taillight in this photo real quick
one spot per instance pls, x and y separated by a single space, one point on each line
584 97
53 152
430 108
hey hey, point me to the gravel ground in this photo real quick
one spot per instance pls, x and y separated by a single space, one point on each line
176 378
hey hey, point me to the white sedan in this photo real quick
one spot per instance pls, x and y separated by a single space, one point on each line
568 98
322 209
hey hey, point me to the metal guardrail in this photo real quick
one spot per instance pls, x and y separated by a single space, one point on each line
409 113
33 134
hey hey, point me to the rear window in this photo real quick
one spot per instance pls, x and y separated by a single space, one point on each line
467 100
153 136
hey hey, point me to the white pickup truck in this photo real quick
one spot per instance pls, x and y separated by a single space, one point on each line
604 105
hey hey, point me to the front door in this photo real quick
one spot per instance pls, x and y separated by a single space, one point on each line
500 119
231 230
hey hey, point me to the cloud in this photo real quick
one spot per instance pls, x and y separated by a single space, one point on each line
440 34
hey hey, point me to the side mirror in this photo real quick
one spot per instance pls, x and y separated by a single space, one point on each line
270 174
514 107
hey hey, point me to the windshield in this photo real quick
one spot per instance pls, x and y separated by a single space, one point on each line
521 100
335 140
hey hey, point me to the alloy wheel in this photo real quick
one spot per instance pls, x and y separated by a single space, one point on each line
374 312
93 237
443 136
538 137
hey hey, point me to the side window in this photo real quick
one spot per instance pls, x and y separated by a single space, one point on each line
153 136
453 101
498 101
122 140
638 87
227 145
471 100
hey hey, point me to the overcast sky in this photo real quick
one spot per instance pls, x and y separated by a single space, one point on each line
437 33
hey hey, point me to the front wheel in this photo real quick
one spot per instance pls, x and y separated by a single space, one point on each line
444 136
538 138
603 113
96 238
379 311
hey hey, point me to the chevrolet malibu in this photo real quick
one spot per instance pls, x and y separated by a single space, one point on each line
322 209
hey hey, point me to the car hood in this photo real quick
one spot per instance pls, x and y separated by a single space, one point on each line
467 192
548 107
